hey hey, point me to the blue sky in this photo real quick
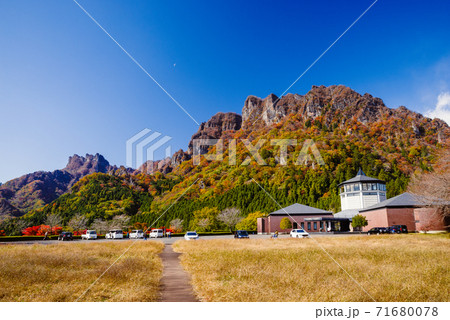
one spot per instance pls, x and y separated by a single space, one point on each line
66 88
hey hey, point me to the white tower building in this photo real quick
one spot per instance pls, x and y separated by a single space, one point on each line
358 193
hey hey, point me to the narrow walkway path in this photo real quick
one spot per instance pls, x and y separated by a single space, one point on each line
175 286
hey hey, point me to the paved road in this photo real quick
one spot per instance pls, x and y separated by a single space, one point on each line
173 239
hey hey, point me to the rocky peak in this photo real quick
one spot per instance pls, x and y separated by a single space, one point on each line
19 195
215 128
268 110
81 166
178 157
316 102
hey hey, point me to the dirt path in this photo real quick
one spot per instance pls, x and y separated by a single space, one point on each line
175 286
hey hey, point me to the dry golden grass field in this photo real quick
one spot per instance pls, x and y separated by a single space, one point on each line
62 272
391 268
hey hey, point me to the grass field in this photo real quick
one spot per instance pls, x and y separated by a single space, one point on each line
62 272
390 268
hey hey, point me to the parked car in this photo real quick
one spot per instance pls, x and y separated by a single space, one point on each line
398 228
377 230
241 234
89 235
64 236
191 235
136 234
157 233
299 233
114 234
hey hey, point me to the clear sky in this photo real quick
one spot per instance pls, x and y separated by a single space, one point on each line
66 87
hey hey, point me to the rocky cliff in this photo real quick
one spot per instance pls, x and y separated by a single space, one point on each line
335 103
216 128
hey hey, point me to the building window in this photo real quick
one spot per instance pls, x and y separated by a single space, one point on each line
294 225
356 187
341 189
315 225
302 224
374 186
348 188
369 194
365 186
309 225
321 225
381 187
352 194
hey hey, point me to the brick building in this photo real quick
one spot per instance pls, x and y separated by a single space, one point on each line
309 218
404 209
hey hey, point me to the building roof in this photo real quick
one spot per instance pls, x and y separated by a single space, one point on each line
407 200
348 214
299 209
361 177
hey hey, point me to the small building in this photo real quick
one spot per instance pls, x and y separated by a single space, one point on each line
404 209
301 216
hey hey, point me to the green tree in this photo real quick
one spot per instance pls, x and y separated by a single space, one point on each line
249 223
285 223
204 219
359 221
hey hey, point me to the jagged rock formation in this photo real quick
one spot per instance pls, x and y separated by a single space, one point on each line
333 102
81 166
216 128
36 189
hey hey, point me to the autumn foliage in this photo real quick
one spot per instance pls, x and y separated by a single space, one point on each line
41 230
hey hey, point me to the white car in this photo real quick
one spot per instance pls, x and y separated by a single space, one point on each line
157 233
137 234
191 235
114 234
89 235
299 233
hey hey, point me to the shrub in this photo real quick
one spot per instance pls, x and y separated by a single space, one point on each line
359 221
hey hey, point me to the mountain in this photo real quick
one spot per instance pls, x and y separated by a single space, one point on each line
334 107
34 190
350 130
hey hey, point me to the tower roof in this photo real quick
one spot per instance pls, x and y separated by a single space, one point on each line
361 177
